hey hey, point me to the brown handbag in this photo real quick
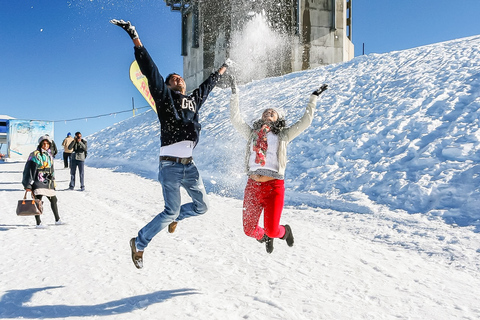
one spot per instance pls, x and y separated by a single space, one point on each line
32 207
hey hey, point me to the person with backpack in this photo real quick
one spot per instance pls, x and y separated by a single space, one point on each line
67 153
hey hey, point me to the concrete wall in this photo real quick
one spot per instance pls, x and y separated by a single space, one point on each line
321 41
199 62
314 40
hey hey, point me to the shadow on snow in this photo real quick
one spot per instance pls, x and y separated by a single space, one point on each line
12 304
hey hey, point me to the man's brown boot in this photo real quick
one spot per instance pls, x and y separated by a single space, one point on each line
172 226
137 256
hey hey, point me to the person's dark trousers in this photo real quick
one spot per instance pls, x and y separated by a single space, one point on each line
66 159
53 205
73 170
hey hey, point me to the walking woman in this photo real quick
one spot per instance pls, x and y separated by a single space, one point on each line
39 177
266 159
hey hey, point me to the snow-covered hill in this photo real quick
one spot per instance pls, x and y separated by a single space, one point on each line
398 129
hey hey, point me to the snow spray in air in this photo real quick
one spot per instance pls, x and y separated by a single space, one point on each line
258 50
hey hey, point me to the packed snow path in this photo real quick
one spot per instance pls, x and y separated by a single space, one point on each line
386 265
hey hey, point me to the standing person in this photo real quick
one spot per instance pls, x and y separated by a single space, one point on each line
266 160
79 153
39 176
67 153
179 134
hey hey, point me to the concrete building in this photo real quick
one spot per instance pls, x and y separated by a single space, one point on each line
267 37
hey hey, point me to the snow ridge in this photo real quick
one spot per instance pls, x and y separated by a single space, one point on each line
399 130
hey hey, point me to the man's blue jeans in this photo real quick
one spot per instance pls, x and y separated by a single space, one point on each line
172 176
73 170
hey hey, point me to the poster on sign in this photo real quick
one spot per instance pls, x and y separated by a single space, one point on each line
22 137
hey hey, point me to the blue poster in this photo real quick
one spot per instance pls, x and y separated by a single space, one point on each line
23 137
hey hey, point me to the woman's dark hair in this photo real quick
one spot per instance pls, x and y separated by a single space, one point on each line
275 127
39 147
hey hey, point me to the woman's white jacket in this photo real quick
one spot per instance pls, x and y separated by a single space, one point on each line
284 137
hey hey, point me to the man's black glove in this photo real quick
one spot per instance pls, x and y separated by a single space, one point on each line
127 26
320 90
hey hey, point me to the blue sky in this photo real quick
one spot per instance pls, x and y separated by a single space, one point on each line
62 59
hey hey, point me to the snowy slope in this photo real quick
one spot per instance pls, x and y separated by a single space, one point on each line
398 129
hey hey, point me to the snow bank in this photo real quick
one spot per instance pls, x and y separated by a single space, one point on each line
398 129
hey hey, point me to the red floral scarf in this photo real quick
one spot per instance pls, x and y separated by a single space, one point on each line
260 144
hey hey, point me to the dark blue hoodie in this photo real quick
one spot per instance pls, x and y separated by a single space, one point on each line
178 113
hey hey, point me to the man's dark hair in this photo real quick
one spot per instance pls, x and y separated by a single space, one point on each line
167 80
77 133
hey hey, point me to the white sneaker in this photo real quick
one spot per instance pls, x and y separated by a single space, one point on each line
59 222
41 226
